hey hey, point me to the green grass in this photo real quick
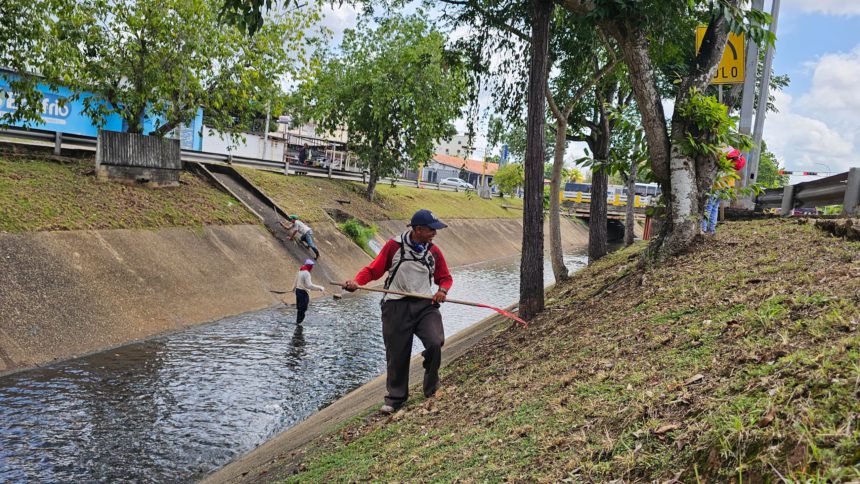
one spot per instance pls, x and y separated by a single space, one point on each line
746 371
38 195
311 197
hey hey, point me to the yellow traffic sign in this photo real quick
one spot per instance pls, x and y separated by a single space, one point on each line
731 68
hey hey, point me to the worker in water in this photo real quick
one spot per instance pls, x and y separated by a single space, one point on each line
303 285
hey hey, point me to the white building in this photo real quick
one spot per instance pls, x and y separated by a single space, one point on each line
456 146
252 146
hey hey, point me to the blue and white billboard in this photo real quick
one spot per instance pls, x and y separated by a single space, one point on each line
65 117
61 114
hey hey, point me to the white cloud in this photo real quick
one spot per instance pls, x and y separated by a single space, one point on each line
806 142
831 7
337 19
820 130
834 85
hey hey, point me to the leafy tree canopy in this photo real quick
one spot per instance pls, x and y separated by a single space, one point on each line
165 59
509 178
396 88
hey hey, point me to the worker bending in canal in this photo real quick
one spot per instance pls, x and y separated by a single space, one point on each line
303 285
413 263
296 227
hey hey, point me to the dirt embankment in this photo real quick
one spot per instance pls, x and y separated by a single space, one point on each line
735 362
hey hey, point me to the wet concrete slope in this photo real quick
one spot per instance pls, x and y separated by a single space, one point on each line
70 293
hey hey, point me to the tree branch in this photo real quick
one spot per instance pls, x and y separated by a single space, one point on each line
577 137
581 92
491 18
578 6
710 53
552 105
641 71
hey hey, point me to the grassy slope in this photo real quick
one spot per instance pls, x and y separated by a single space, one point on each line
310 196
46 195
738 361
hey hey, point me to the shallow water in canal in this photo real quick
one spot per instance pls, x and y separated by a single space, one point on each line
179 406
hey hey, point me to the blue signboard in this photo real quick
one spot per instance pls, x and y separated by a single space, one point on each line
504 158
61 114
58 113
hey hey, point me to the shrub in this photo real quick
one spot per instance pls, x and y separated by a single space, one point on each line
359 233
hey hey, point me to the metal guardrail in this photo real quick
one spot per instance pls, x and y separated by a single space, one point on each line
843 189
612 199
62 141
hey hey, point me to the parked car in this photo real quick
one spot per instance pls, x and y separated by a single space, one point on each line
456 182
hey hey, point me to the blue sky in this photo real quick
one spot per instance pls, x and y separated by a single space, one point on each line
804 37
818 126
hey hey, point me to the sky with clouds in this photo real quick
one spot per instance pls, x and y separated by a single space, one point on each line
817 127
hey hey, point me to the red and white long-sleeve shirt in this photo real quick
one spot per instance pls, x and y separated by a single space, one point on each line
416 273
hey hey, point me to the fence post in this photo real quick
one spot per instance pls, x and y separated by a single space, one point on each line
58 142
286 166
787 201
329 169
851 205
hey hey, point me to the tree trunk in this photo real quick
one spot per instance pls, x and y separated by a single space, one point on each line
556 254
680 176
134 123
597 216
371 184
629 222
601 139
685 210
643 79
531 266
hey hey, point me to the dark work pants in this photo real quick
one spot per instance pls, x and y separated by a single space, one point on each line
401 320
302 301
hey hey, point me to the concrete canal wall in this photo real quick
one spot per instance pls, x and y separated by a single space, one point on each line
65 294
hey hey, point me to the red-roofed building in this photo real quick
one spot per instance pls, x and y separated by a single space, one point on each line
445 166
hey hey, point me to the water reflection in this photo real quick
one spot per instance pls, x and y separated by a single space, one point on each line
176 407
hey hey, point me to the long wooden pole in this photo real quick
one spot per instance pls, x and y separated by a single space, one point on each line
453 301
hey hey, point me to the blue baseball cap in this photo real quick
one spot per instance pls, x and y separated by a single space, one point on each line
427 219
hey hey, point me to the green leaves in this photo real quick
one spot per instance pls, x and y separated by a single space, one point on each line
509 178
165 59
394 87
712 127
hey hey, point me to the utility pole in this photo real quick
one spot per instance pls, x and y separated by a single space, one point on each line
745 123
266 129
761 109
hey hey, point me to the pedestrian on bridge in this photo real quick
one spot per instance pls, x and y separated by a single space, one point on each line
303 285
413 264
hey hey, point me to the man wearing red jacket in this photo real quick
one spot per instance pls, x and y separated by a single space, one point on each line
413 264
